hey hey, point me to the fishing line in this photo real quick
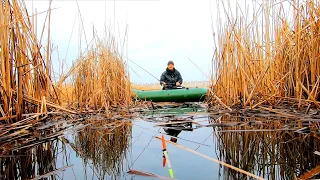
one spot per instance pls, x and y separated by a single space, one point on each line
205 140
173 136
141 67
214 95
156 77
199 69
142 151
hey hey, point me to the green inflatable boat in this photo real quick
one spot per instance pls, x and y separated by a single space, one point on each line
173 95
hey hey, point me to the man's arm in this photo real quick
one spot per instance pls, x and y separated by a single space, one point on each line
180 80
162 79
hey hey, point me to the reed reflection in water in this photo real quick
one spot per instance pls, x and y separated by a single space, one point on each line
102 143
272 153
105 145
28 164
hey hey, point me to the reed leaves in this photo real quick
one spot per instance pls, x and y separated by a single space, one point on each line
274 56
99 77
24 71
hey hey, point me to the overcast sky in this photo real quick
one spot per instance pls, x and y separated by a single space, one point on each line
158 31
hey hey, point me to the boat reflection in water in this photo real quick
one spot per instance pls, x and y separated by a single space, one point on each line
174 130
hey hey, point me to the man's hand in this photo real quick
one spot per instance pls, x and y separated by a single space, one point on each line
178 84
163 83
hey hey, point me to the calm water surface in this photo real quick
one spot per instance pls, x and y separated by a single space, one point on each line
104 151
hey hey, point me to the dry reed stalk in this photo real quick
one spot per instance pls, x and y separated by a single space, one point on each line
23 71
310 174
52 173
212 159
99 79
146 174
269 56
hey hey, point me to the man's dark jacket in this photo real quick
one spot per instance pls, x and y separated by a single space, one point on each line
171 77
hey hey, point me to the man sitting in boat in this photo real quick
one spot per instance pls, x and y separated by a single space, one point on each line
171 77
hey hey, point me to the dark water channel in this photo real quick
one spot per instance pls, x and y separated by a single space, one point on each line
272 149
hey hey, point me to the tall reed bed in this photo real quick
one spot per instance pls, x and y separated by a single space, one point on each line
24 71
275 56
100 79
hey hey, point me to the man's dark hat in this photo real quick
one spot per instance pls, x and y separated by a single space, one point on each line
170 62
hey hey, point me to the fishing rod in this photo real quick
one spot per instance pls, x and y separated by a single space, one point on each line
141 68
214 94
199 68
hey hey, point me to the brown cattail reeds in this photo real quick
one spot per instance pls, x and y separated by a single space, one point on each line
274 56
101 79
24 71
